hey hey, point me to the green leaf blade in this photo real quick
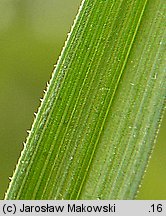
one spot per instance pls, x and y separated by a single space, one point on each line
95 128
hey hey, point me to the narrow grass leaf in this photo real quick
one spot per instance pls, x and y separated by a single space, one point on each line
96 126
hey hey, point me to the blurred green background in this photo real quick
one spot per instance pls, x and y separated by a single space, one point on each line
32 34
